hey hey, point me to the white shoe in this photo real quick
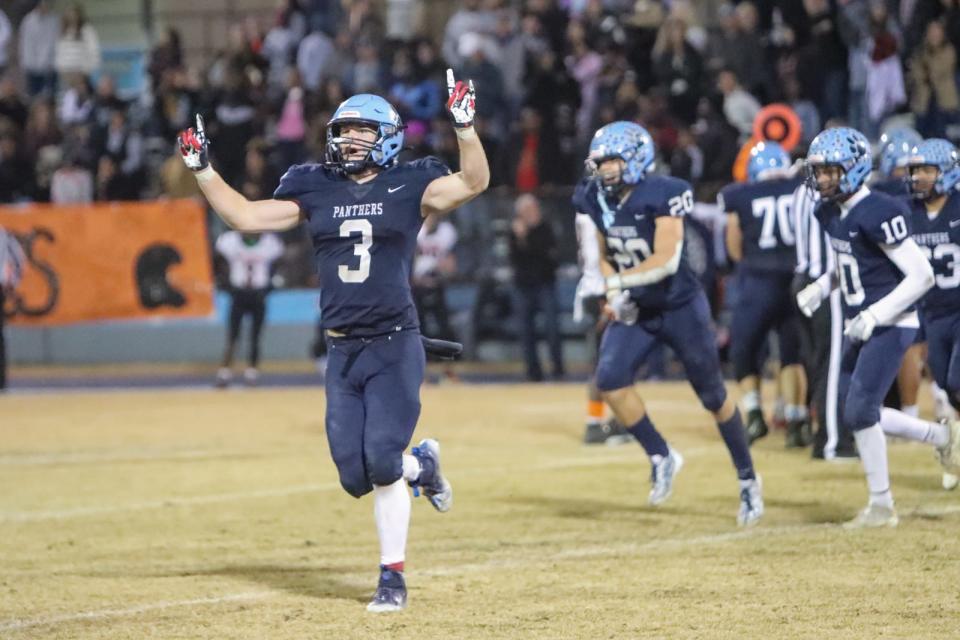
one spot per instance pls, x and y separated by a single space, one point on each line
873 516
950 452
251 376
751 502
941 405
950 481
224 376
662 475
435 486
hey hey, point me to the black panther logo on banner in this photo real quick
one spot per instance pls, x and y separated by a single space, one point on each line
151 277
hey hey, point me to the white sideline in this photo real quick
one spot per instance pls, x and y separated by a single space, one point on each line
492 564
17 625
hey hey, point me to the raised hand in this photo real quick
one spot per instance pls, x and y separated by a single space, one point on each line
193 147
461 101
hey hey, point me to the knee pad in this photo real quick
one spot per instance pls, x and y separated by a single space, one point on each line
713 397
860 409
384 469
356 484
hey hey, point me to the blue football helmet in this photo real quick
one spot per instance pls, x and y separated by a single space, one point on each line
766 157
625 140
895 146
370 110
939 153
845 148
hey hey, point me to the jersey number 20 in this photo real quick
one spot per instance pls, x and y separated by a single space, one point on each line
362 249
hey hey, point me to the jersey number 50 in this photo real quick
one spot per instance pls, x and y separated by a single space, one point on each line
362 249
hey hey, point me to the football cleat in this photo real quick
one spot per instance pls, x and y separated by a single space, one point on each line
756 427
617 435
434 486
595 433
224 376
950 481
391 592
662 475
949 454
873 516
799 434
751 502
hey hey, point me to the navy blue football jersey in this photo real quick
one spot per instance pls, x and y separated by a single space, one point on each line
892 187
629 230
939 238
866 273
765 212
364 238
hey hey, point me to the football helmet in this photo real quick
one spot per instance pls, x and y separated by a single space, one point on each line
845 148
939 153
766 158
895 147
370 110
625 140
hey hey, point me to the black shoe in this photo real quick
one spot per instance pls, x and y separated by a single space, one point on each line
817 452
595 433
798 434
756 427
617 434
846 452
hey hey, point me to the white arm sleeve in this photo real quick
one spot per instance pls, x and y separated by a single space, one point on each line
917 280
657 273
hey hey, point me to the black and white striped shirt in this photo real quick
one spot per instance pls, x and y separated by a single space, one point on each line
814 255
11 261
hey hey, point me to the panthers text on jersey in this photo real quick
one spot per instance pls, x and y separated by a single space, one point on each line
629 231
764 210
939 238
873 219
364 239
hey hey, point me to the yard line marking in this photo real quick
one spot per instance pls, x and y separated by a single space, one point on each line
123 456
17 625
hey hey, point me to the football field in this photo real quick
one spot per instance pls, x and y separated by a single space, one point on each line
199 514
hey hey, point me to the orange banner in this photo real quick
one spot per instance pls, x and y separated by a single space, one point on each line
110 261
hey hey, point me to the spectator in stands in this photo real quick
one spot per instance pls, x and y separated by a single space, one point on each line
250 258
12 264
174 105
279 48
39 32
73 182
6 35
823 59
259 176
933 81
469 18
16 172
166 55
365 74
42 129
433 266
291 129
12 106
739 107
584 65
678 68
533 255
415 94
235 120
78 48
105 100
314 55
124 145
76 105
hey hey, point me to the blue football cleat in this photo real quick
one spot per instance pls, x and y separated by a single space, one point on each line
391 592
434 486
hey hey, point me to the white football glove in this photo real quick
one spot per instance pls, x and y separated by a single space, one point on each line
861 327
462 101
623 308
809 299
193 147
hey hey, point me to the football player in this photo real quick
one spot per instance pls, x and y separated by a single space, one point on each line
882 273
894 148
934 175
654 296
760 240
363 210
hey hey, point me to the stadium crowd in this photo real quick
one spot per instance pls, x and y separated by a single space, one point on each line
547 72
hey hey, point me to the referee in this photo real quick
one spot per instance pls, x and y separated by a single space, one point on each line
12 263
822 334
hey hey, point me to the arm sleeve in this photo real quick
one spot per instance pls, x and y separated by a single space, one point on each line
917 280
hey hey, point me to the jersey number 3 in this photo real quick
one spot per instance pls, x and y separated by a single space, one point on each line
362 249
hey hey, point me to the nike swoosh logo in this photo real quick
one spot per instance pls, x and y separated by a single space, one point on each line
854 234
954 223
638 217
391 190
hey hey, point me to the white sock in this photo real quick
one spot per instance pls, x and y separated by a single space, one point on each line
911 410
751 401
411 468
899 423
795 412
873 455
391 510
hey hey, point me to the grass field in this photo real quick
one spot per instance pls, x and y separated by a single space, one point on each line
197 514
